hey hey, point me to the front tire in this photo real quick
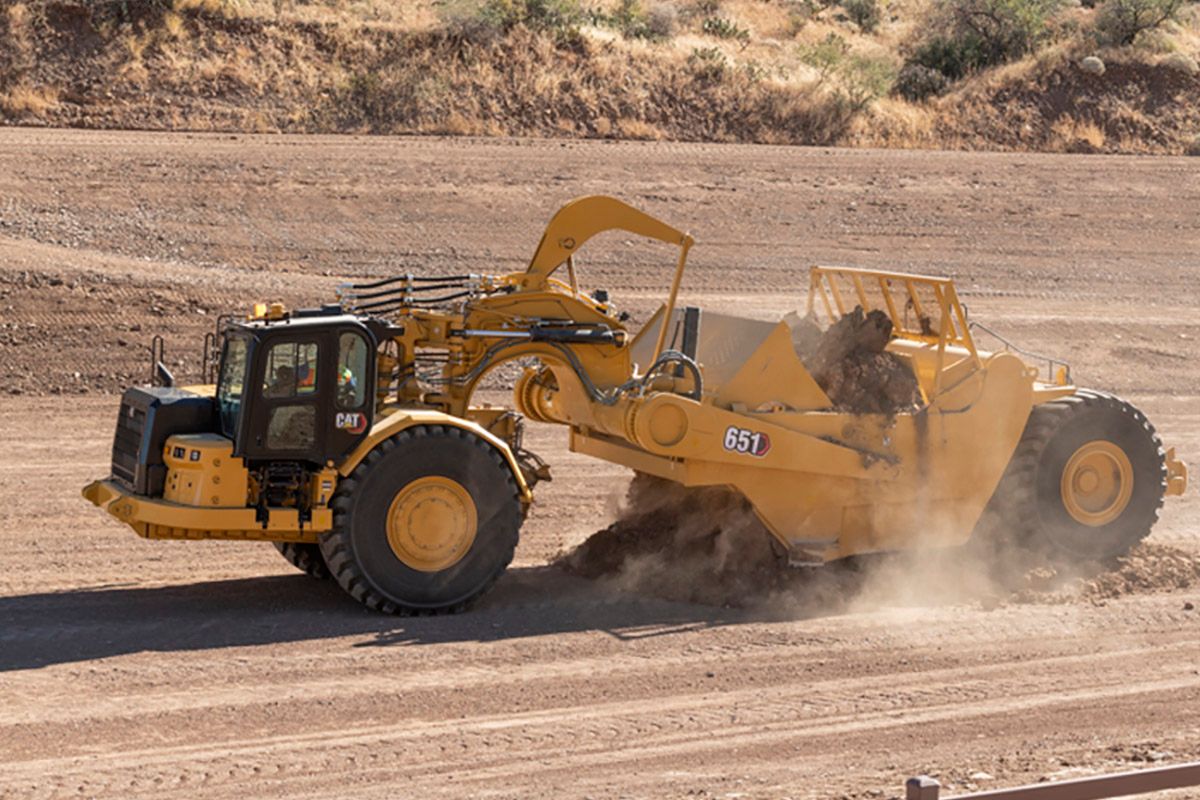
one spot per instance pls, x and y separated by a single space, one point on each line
305 557
425 524
1087 479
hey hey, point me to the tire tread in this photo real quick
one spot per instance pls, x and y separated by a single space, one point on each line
1015 501
339 552
306 557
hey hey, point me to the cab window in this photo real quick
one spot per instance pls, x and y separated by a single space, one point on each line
352 371
291 370
230 384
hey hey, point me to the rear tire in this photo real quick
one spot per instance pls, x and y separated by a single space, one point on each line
305 557
382 556
1086 482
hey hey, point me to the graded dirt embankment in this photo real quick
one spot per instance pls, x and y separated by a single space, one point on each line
215 670
784 74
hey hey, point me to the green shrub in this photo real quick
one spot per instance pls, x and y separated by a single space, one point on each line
755 71
916 83
724 28
365 90
857 80
636 21
866 14
826 55
862 81
708 63
954 58
1122 21
475 18
967 35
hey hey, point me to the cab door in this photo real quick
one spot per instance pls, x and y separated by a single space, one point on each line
354 393
291 383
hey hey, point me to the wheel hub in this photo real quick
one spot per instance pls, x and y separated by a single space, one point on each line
431 523
1097 483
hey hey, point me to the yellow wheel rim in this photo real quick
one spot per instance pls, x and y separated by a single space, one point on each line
1097 483
431 523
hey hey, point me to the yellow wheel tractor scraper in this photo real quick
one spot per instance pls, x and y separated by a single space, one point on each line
346 434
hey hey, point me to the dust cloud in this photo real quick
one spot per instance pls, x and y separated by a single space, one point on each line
706 546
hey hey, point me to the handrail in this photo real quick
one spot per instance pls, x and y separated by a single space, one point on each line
1097 787
1051 362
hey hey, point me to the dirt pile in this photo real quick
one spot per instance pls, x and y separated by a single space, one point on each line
692 545
849 363
1147 568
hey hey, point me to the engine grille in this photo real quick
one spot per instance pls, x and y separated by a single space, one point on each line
127 443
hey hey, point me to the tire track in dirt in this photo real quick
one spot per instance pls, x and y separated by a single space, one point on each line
357 676
681 727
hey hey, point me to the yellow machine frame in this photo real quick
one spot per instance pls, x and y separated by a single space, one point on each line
826 483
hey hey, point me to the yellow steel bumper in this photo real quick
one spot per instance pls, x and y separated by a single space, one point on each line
154 518
1177 475
101 493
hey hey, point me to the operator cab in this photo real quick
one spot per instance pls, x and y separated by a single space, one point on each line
300 388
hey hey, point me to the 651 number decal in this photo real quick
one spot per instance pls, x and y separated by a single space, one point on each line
740 440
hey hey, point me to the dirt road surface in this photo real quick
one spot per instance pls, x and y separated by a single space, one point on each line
209 670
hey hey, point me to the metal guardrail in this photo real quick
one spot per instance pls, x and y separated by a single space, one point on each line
1057 370
1099 787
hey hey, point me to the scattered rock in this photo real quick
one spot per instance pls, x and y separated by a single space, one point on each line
1092 65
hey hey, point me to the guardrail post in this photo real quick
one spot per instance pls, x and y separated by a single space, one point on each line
921 787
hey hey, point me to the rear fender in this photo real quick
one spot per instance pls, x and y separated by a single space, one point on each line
392 424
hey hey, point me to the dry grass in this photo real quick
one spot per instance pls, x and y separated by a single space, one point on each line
897 124
382 67
1071 135
173 25
22 100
